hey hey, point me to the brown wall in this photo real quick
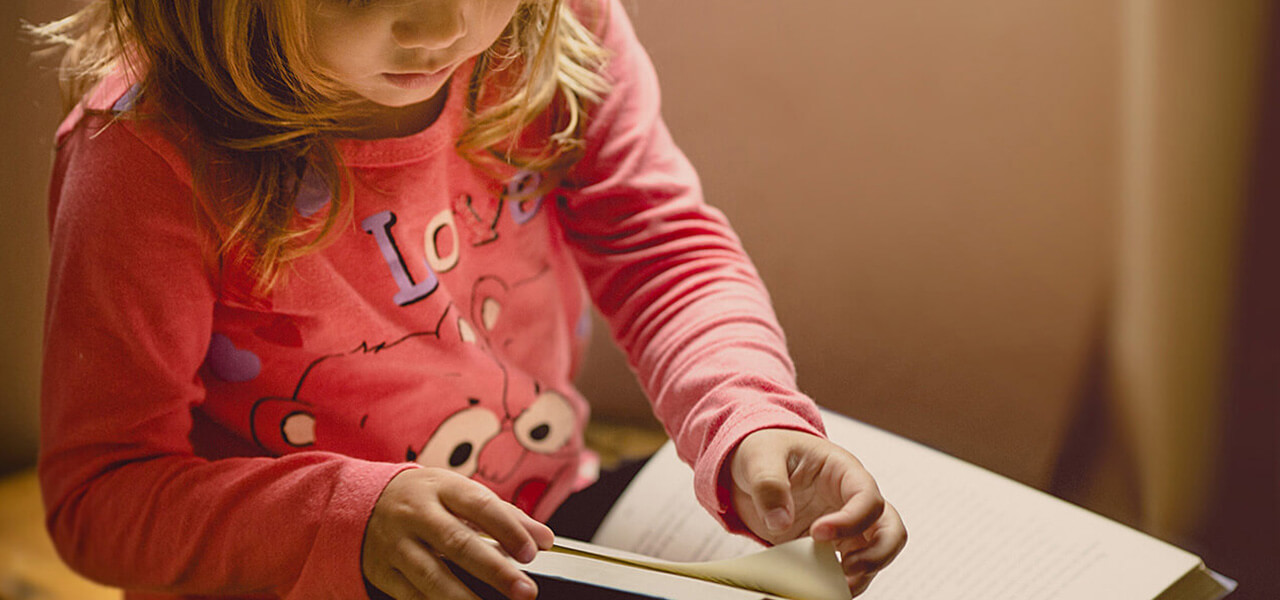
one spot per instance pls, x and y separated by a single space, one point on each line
928 189
29 112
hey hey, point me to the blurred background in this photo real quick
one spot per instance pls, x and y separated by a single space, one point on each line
1040 236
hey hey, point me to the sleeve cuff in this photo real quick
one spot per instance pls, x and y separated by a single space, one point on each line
334 569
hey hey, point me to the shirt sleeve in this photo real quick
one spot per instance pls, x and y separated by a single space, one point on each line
672 280
129 313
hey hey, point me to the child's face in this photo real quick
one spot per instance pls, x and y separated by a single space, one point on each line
397 53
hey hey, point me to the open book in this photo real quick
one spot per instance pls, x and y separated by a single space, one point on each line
973 535
797 570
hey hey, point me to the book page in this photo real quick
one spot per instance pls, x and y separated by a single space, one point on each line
641 582
973 534
800 569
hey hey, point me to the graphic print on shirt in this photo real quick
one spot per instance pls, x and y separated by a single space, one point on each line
478 219
462 395
287 424
490 297
497 449
441 241
229 363
494 424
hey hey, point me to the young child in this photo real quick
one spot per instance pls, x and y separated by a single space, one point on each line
321 276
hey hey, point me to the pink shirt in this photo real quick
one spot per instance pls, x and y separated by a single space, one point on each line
199 442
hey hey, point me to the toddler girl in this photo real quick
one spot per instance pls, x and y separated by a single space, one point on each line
321 277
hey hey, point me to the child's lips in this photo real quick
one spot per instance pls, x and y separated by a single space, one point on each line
408 81
416 79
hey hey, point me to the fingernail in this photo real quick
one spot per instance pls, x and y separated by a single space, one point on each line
777 519
527 553
524 589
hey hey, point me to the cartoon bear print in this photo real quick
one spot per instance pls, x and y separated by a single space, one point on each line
489 424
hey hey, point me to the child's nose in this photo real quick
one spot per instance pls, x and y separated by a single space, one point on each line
430 25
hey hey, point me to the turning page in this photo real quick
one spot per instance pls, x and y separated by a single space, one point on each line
798 570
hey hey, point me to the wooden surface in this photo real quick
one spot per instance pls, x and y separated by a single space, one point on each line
31 570
616 441
29 567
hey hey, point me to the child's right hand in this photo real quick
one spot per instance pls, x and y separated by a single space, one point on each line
427 515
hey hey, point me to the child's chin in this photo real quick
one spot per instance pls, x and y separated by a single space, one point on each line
404 100
389 96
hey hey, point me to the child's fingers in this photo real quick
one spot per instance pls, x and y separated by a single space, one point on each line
459 543
393 583
513 530
764 476
543 536
887 540
859 583
426 575
859 513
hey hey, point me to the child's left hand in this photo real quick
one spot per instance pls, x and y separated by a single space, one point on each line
787 483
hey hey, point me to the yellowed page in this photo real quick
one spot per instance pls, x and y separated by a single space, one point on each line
799 570
641 581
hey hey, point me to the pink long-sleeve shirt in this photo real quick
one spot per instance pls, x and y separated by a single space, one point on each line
201 442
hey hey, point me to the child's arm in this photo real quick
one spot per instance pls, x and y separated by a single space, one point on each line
670 276
684 301
128 501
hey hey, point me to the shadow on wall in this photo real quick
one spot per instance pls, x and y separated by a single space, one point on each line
1245 527
30 111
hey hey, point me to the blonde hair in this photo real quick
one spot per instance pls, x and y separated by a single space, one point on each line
265 111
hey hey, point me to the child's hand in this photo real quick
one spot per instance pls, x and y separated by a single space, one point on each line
787 482
427 515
